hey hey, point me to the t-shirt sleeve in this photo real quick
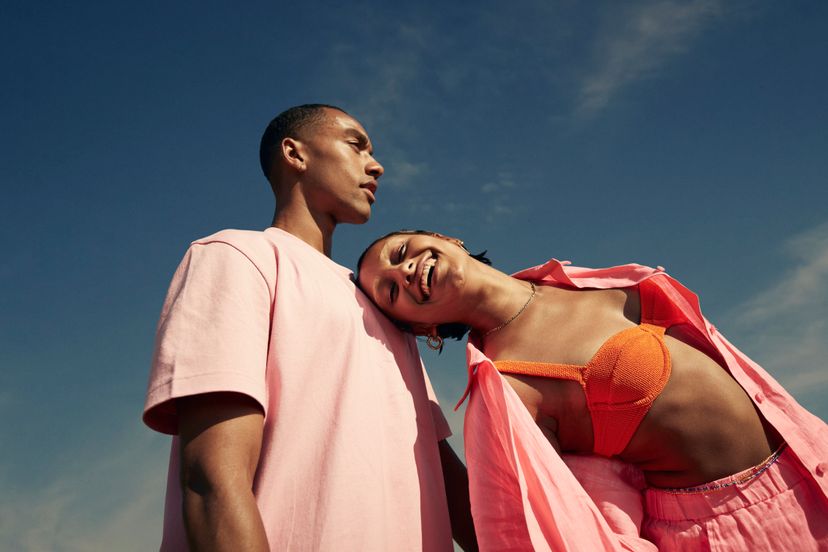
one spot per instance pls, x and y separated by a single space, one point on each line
441 425
212 335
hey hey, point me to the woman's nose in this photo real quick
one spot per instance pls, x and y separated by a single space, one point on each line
409 267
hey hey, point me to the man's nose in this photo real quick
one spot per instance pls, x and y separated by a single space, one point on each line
374 168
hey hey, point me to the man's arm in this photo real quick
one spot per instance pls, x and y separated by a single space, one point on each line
221 438
457 492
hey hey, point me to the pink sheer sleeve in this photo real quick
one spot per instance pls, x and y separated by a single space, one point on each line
524 497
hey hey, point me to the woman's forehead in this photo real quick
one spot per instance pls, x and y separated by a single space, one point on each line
382 249
377 256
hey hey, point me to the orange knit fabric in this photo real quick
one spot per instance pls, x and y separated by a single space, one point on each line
621 380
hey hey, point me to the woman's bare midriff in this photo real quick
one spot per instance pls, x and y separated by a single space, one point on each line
702 427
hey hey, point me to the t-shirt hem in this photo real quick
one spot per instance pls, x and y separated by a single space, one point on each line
159 410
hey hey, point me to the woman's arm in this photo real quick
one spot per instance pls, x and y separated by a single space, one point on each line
532 399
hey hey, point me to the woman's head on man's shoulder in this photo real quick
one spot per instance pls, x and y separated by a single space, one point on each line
419 278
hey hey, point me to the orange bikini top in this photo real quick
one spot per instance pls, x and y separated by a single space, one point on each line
623 378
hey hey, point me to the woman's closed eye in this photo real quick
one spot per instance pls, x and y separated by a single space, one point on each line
396 258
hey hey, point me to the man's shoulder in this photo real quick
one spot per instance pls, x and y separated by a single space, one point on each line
257 245
268 239
232 236
266 249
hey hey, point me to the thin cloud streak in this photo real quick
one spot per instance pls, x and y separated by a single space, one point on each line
402 173
788 321
92 503
500 197
648 36
806 285
378 100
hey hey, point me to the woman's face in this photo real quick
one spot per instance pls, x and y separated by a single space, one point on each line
417 279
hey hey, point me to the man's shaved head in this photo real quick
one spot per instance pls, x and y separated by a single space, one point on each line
289 123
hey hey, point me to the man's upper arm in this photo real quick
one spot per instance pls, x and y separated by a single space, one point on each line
221 437
213 333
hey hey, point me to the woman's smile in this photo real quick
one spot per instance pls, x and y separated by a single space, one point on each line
415 277
426 277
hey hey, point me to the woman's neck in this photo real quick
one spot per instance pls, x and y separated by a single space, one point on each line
497 298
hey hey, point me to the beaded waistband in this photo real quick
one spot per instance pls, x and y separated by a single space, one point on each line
736 479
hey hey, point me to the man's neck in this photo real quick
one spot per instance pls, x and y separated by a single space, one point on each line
315 231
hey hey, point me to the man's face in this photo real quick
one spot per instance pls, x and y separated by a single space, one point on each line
341 173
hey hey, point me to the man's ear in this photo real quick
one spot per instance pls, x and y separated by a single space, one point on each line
293 152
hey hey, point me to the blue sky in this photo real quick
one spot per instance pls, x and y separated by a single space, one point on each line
692 135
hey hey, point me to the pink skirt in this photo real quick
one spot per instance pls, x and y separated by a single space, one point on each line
769 507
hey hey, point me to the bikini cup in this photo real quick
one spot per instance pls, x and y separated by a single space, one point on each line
622 379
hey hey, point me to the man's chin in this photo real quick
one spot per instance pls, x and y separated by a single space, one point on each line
360 217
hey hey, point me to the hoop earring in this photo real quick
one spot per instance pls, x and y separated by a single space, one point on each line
434 342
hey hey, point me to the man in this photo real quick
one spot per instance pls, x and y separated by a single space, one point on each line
303 418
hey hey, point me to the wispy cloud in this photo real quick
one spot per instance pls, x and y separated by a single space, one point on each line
376 86
447 209
504 183
805 287
786 324
91 502
499 195
641 40
401 172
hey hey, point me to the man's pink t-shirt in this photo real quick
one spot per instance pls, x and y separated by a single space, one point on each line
349 457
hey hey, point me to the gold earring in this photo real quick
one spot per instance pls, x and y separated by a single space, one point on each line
434 342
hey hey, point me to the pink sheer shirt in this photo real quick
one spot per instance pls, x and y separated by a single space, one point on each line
527 497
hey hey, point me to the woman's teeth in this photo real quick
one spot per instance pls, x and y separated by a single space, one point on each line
428 265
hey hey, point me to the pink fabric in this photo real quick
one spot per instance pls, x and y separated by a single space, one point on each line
524 497
776 510
522 494
349 458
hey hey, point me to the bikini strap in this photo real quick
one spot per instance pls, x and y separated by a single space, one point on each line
541 369
647 298
656 309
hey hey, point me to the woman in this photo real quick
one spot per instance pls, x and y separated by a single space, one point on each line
618 364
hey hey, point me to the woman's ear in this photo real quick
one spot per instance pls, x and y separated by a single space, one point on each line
423 329
455 241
